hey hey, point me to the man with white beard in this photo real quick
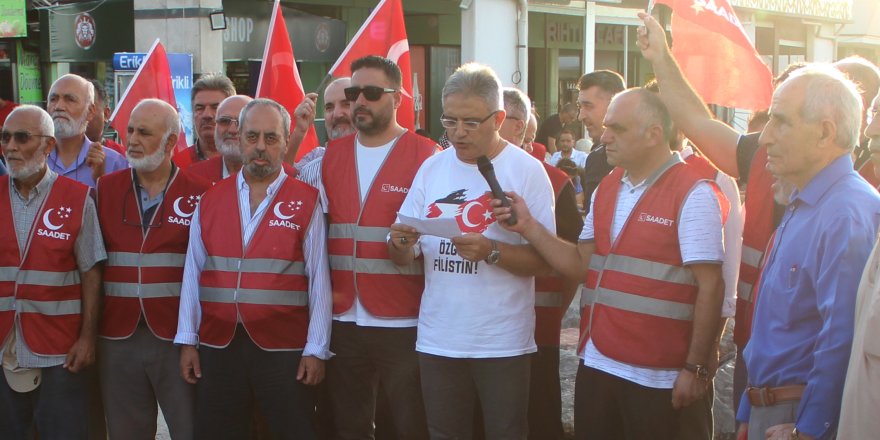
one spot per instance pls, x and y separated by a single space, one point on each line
146 244
226 139
50 257
71 105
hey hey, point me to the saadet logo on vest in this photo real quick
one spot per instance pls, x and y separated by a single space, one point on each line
51 229
645 217
184 207
285 220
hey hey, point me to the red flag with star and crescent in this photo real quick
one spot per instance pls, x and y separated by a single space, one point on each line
279 77
716 56
384 33
152 80
474 215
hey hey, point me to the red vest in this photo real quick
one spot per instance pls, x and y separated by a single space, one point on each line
549 295
707 171
185 158
210 169
265 284
359 262
757 230
43 286
638 301
144 271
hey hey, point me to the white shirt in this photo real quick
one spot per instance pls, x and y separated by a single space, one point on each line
700 238
733 231
578 157
314 251
473 309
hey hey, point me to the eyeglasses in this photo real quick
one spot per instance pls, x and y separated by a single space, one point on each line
226 121
467 125
21 137
372 93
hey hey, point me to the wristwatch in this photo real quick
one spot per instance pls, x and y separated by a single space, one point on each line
494 254
701 371
795 435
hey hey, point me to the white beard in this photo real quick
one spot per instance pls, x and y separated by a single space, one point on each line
147 163
65 128
30 168
229 148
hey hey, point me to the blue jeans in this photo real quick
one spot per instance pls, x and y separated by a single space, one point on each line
57 409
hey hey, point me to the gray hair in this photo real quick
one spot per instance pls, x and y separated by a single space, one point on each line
213 81
477 80
90 88
285 116
172 119
516 103
830 94
47 127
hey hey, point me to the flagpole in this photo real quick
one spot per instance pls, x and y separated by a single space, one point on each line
323 83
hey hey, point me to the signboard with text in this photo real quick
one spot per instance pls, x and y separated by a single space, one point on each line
13 19
30 88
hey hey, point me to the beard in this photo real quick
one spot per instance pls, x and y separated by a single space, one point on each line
260 171
340 127
230 148
147 163
31 167
66 128
372 123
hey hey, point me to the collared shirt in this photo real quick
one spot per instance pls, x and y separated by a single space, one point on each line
88 249
316 263
803 323
577 156
80 170
148 205
700 239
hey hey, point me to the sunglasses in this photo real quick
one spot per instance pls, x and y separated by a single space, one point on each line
21 137
226 121
372 93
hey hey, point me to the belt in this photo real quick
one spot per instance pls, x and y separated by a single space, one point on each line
769 396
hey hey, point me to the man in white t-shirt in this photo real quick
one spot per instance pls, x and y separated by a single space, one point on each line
477 318
364 178
567 151
651 253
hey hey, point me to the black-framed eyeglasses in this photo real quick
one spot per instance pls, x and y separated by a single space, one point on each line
372 93
226 121
21 136
140 219
467 125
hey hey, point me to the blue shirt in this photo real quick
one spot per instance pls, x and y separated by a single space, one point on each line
803 323
80 171
2 169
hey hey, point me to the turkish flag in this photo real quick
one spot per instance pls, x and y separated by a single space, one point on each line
152 80
716 56
475 215
279 78
384 33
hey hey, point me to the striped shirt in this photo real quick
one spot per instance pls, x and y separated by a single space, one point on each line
314 251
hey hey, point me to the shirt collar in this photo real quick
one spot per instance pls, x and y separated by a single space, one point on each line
824 180
686 151
270 191
80 159
41 188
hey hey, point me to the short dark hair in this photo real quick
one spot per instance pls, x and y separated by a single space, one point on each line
568 166
100 92
390 68
606 80
213 81
566 131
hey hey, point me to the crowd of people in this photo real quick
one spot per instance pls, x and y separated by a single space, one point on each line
251 296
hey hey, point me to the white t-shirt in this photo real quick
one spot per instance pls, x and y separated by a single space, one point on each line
369 160
473 309
700 238
578 157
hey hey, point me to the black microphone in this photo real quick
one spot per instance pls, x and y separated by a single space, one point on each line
488 172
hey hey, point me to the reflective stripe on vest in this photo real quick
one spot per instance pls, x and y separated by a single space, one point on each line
750 257
548 299
360 233
744 291
374 266
7 303
50 308
149 290
588 295
49 279
254 296
8 273
254 265
133 259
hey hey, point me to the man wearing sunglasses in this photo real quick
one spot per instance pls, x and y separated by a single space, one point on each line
72 106
364 177
476 328
256 297
145 213
51 251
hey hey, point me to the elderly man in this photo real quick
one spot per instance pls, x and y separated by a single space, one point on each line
649 314
52 250
227 140
476 326
72 106
146 244
803 322
207 93
256 291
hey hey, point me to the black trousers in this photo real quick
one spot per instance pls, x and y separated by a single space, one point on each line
545 396
58 408
608 407
364 356
242 375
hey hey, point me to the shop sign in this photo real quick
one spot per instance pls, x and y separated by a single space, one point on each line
181 66
838 10
87 31
30 88
313 38
564 34
13 19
